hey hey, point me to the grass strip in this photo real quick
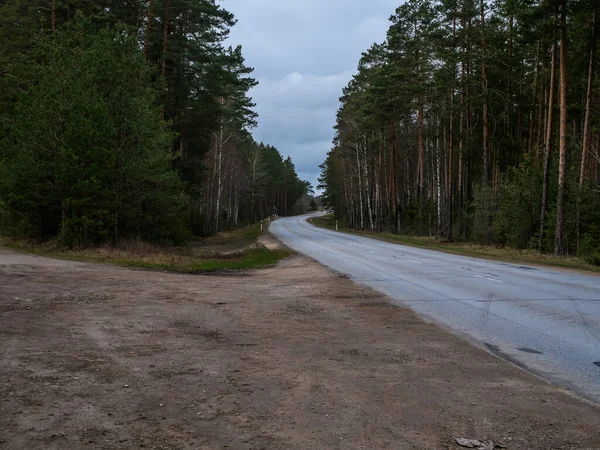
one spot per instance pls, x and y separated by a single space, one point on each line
229 251
504 254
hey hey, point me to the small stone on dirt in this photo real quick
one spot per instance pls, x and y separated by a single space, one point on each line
474 443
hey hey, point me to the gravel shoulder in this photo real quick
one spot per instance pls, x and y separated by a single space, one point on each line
293 356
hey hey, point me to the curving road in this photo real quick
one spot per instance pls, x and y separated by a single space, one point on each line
543 319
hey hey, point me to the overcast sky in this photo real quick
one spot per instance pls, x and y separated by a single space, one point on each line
304 52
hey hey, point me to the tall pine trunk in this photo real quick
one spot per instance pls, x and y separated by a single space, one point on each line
588 102
421 148
509 67
485 118
365 167
360 184
421 154
542 104
560 248
533 99
219 179
392 184
548 148
451 142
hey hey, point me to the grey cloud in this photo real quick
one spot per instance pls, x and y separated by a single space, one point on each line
306 90
304 52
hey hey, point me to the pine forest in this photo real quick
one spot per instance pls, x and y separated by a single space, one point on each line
475 121
130 119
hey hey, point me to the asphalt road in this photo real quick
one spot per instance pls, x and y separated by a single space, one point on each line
545 320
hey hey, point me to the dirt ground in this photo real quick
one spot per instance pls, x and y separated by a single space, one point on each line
290 357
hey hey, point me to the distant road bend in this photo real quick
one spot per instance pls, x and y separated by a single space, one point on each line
543 319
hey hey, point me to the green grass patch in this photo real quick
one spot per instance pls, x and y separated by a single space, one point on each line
230 251
248 259
505 254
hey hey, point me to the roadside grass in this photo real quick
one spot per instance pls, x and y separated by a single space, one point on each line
504 254
229 251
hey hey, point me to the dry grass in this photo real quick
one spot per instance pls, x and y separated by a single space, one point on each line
234 250
505 254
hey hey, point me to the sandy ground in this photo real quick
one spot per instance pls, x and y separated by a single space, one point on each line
290 357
